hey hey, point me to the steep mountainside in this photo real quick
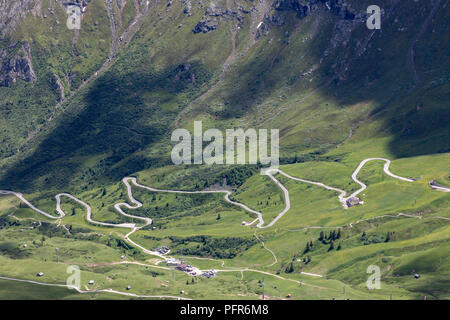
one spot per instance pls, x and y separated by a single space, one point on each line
82 108
136 70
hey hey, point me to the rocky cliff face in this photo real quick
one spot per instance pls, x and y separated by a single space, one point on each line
16 61
346 18
305 7
215 13
17 65
12 12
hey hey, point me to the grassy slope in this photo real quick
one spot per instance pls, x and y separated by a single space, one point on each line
262 89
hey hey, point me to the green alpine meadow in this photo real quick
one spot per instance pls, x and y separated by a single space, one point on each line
321 169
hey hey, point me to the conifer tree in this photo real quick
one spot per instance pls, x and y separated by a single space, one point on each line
307 248
388 237
321 237
331 246
290 269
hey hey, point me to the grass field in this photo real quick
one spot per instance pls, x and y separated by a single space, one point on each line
337 94
415 245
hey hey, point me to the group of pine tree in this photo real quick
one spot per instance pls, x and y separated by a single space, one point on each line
373 238
325 239
330 239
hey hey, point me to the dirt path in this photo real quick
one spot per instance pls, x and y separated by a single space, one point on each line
94 291
350 225
271 252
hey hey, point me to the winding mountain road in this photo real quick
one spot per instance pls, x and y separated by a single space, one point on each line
342 193
385 169
147 221
269 172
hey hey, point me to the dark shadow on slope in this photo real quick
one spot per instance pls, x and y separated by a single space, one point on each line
119 116
122 113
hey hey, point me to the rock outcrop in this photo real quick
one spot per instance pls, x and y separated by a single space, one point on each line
305 7
346 19
214 14
58 87
205 26
12 12
187 6
16 63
